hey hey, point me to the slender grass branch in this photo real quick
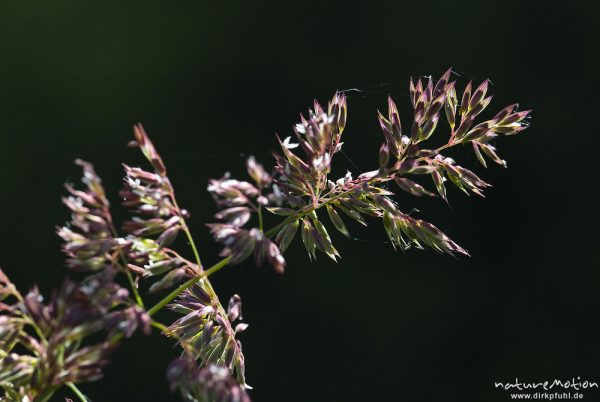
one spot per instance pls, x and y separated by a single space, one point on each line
77 392
184 225
204 274
188 234
47 394
186 285
301 214
160 326
136 294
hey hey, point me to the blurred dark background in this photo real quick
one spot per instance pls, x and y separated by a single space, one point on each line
212 82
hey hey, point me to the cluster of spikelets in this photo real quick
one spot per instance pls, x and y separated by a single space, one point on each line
301 185
68 340
46 345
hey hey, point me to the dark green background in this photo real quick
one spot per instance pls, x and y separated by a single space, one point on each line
213 82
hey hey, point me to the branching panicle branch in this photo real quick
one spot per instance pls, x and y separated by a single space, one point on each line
69 339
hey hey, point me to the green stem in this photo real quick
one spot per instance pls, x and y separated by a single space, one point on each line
201 275
184 225
171 296
292 218
186 229
46 395
301 214
160 326
189 283
77 392
38 331
136 294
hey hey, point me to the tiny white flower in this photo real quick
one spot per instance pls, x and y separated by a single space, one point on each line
288 144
